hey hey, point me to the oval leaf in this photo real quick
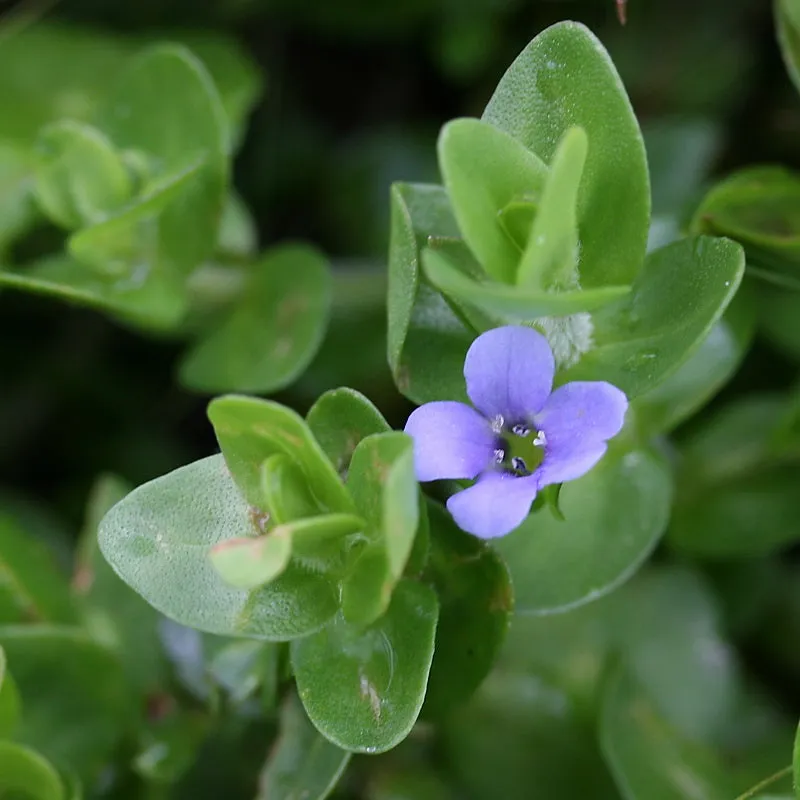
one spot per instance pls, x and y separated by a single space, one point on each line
158 538
565 78
25 773
273 332
681 293
250 430
363 688
613 518
485 169
302 764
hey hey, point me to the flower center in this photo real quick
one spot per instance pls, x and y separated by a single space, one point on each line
520 449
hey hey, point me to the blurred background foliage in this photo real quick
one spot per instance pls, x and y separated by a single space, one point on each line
354 95
355 92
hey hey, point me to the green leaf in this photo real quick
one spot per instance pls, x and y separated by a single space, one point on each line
18 211
443 263
737 494
550 260
302 764
613 518
272 333
757 206
111 611
363 688
250 430
32 587
384 488
252 561
339 420
697 695
77 705
287 496
564 78
485 169
648 759
158 539
80 177
683 290
787 23
476 599
249 562
165 106
237 236
521 734
9 699
426 341
25 773
702 375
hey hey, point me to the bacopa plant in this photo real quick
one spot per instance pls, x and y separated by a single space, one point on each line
474 602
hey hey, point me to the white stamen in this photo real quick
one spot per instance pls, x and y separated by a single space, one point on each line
540 440
499 455
497 424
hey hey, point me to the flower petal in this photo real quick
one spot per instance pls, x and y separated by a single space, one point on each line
577 420
509 372
566 464
495 505
451 440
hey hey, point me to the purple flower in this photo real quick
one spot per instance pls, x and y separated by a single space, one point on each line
522 437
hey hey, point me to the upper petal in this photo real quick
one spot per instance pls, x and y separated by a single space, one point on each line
495 505
509 372
451 440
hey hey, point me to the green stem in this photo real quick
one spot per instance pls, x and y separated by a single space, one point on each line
766 782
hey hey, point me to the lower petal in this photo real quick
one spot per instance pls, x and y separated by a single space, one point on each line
451 440
495 505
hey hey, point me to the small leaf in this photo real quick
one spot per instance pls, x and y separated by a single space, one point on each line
565 78
757 206
442 263
25 773
76 714
112 611
427 342
796 762
485 169
273 331
702 375
363 688
178 125
302 764
473 584
683 290
648 759
158 537
249 562
384 488
285 490
551 257
80 177
32 588
250 430
613 518
339 420
787 22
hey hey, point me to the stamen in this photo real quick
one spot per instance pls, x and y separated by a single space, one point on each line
540 440
498 423
520 429
519 464
499 455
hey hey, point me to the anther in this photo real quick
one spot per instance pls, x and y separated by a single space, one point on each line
498 423
540 440
520 430
519 464
499 455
